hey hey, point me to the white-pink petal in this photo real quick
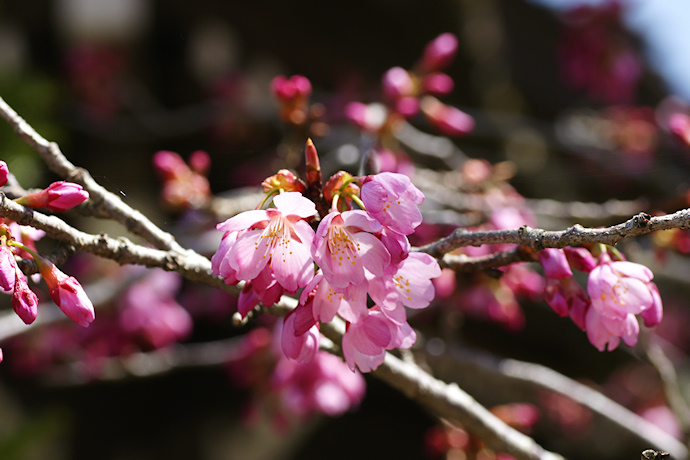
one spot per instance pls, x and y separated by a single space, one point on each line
294 203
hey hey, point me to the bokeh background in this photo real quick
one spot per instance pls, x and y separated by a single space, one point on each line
113 82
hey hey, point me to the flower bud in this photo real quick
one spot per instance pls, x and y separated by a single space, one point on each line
397 83
313 165
59 196
437 83
169 165
8 270
67 293
4 172
284 181
200 162
439 52
447 119
24 300
555 264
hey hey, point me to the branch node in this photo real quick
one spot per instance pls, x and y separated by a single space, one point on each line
641 220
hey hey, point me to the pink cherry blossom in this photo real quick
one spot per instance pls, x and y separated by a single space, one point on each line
325 385
25 235
564 295
67 294
366 340
555 263
279 238
300 347
410 285
326 301
396 243
653 315
263 289
393 200
4 173
8 271
344 247
220 263
59 196
151 312
289 89
24 300
605 331
621 288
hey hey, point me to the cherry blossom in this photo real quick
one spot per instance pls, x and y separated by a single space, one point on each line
393 200
366 340
278 238
620 288
344 247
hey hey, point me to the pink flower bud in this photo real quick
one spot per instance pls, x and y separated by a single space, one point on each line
447 119
303 347
283 180
8 270
24 300
439 52
68 294
288 89
4 172
437 83
407 106
370 117
200 162
555 264
59 196
397 83
311 157
653 315
169 165
580 259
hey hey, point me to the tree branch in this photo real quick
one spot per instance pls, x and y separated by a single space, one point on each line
577 235
101 203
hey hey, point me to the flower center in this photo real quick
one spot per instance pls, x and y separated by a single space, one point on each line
341 245
403 284
276 235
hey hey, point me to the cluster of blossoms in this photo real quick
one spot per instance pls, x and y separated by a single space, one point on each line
360 254
16 240
285 388
616 292
183 186
406 93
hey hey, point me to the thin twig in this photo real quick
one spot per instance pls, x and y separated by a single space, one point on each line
655 355
449 401
489 370
102 203
189 264
577 235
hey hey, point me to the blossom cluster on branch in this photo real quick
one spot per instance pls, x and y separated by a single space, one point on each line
336 260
